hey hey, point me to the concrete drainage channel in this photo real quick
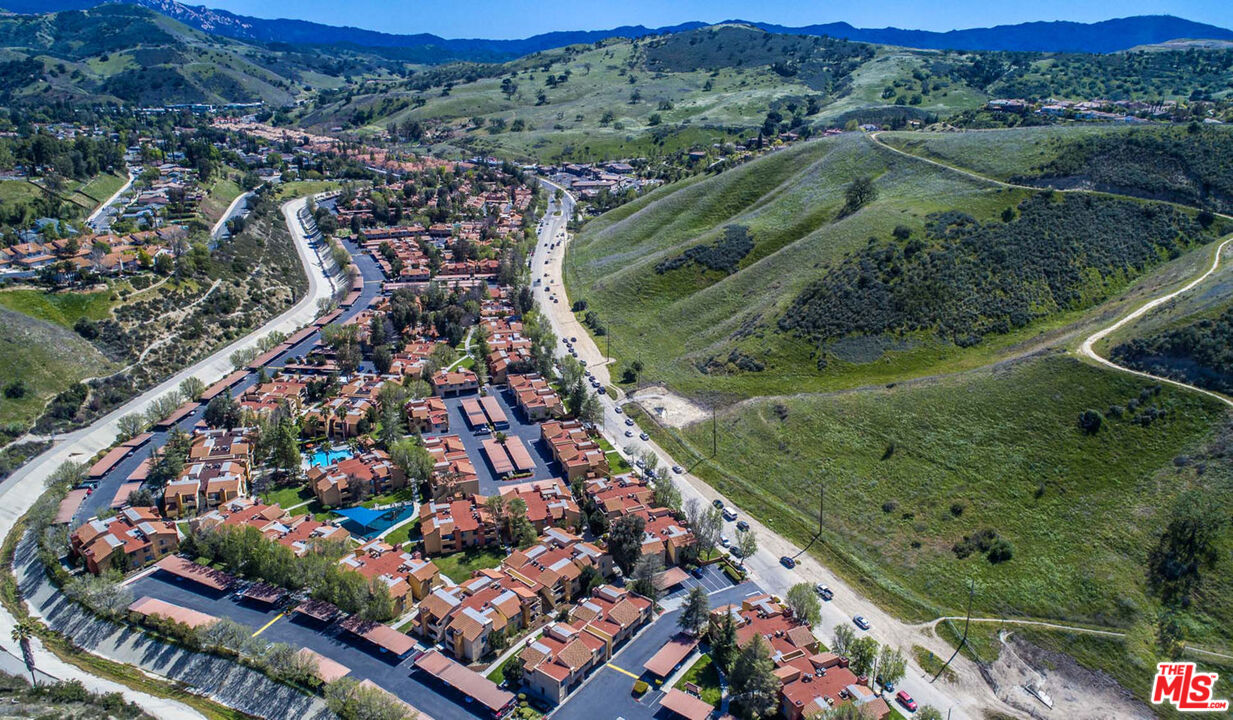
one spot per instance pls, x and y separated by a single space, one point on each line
220 679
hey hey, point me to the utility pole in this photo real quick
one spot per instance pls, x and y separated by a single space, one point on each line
714 435
964 640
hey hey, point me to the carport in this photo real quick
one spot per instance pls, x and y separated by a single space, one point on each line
671 655
686 705
468 682
379 634
216 580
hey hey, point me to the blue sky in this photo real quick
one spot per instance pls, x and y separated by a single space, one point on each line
522 18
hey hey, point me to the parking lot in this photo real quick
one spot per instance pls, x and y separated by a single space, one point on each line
519 426
713 580
608 693
398 675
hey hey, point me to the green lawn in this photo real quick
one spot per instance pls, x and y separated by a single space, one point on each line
407 494
287 497
316 509
497 674
98 189
459 566
911 470
705 675
404 533
299 188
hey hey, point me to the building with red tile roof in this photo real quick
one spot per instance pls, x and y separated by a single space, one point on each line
554 567
536 397
556 663
131 538
449 526
296 532
549 503
453 475
464 617
427 415
352 479
406 576
572 446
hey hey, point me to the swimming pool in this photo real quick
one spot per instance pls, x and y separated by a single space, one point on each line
325 456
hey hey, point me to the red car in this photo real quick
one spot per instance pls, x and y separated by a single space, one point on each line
906 700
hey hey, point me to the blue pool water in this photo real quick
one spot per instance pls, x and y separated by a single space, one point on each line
368 523
322 457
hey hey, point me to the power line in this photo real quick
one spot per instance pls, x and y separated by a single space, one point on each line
964 640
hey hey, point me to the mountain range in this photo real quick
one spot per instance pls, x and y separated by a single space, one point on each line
1056 36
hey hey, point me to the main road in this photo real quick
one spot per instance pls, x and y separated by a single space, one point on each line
968 698
19 492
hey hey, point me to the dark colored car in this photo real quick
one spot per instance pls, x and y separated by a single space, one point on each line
716 503
742 525
787 562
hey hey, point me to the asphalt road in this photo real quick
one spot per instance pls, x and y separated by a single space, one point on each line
19 492
608 692
967 701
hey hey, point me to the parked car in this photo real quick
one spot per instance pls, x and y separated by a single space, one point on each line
787 562
723 540
573 339
629 421
643 437
906 700
861 622
602 390
715 503
742 525
629 433
696 572
729 514
618 410
734 551
889 686
823 592
678 469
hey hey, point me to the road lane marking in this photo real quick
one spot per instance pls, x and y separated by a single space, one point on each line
263 627
622 670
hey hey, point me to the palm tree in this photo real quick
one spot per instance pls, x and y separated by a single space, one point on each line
22 632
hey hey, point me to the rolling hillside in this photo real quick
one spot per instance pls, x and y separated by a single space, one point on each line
908 349
939 271
622 98
658 94
121 53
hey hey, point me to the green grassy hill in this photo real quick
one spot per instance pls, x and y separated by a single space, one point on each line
622 98
124 53
1182 164
45 355
910 471
940 272
910 352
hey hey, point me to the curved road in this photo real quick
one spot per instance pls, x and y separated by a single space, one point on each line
19 492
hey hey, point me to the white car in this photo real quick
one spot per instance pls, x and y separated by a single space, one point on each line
723 540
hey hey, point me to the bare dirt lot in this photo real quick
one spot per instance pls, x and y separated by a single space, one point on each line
672 410
1077 693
